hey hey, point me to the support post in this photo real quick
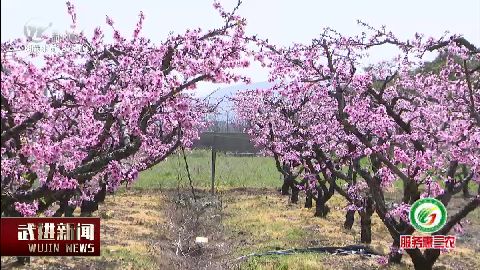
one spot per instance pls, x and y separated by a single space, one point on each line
214 157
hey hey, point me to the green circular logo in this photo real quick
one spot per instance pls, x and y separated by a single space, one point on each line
428 215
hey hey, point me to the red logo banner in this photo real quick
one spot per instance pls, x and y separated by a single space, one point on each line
75 236
427 241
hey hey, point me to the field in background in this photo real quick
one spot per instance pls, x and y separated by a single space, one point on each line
231 172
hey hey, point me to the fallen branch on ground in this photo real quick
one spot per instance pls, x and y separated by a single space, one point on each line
347 250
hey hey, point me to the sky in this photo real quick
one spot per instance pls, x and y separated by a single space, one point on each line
282 21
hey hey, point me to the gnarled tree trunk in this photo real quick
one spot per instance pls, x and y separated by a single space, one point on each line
349 219
424 260
295 191
286 186
366 221
365 228
395 257
321 208
308 200
88 207
465 191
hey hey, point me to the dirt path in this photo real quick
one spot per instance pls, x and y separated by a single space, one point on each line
150 230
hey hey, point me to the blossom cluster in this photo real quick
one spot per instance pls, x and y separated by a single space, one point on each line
75 120
405 122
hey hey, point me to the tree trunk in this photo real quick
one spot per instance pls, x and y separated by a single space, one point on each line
69 210
395 257
349 219
287 179
321 209
466 193
295 192
366 220
420 262
422 265
365 227
88 207
308 200
285 187
23 260
64 209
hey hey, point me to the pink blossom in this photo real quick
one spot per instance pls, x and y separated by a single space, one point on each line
27 209
382 260
103 114
109 21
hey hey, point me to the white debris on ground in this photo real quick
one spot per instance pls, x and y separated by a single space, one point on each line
201 240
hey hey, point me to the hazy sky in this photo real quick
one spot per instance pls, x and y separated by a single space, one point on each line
283 22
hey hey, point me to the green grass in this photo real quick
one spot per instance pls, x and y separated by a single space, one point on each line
127 258
231 172
301 261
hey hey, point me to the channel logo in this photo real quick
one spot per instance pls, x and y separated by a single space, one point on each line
428 215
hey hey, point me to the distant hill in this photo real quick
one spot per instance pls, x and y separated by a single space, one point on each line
232 90
224 93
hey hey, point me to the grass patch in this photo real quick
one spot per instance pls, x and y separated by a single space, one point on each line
290 262
275 224
136 257
231 172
